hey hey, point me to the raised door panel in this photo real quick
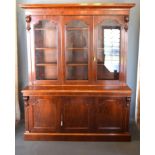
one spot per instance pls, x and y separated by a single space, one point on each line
45 49
44 114
109 115
76 114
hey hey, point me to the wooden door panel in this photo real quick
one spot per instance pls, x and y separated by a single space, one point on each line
109 114
45 114
76 113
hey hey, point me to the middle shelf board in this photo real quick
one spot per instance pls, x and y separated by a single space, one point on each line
55 48
76 64
80 49
46 48
46 64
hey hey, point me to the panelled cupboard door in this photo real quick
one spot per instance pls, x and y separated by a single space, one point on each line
108 49
110 114
77 37
45 49
44 114
76 114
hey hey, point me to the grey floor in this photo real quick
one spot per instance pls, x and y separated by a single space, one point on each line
76 148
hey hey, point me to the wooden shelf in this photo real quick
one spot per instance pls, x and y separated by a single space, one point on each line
46 64
45 48
81 49
77 64
48 79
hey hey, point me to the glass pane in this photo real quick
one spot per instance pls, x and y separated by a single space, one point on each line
46 56
46 50
77 56
77 72
108 52
46 72
46 38
76 51
77 38
77 23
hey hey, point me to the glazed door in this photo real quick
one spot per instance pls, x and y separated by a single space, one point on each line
76 114
45 49
44 114
77 49
110 114
108 49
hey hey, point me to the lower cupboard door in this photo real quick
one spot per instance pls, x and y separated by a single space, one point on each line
109 115
76 114
44 114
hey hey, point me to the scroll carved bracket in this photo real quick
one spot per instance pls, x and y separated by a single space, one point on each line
128 100
26 98
28 20
126 20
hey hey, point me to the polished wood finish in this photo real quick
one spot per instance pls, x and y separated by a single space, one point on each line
78 9
81 108
78 136
64 99
44 114
138 106
106 110
76 90
78 5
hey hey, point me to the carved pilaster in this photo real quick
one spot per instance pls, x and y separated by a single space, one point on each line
26 103
28 20
128 100
26 98
126 19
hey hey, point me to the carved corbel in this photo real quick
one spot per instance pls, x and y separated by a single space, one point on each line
126 19
26 98
28 20
128 100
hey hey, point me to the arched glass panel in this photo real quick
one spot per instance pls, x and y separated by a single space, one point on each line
108 50
46 50
76 52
